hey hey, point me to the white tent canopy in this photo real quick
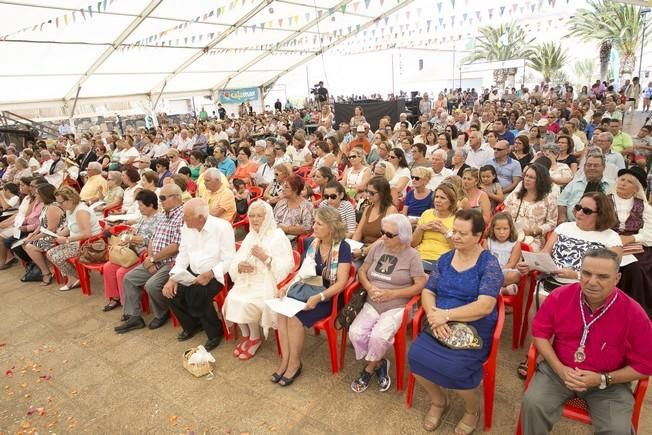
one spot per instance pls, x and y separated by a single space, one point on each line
140 48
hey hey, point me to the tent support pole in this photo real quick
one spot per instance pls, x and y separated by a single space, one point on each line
74 103
160 94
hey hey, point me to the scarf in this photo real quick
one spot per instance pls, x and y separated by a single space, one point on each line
331 271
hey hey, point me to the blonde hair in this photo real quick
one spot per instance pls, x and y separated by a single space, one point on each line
390 170
68 194
424 173
332 218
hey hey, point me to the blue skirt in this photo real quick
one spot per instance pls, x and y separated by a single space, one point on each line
322 310
448 368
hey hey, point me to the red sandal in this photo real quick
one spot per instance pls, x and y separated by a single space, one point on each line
238 348
244 351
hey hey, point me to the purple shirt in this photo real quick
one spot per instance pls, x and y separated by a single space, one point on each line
621 337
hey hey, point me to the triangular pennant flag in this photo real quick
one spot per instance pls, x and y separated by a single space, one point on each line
65 20
90 11
453 3
439 7
99 7
502 10
477 14
464 16
366 3
104 5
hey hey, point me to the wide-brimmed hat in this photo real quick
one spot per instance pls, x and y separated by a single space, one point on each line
637 173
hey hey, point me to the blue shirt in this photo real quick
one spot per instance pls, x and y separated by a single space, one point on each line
507 171
573 192
508 136
227 167
589 130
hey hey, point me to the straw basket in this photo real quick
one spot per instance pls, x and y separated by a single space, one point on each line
197 370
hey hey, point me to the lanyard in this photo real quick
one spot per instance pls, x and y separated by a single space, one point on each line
580 354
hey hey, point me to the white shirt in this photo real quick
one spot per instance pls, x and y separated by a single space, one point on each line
624 208
479 158
265 174
159 149
212 248
185 145
436 179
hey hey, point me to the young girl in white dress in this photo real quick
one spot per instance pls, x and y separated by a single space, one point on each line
502 242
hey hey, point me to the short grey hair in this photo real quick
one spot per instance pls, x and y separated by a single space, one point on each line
213 173
604 253
403 226
197 207
461 150
552 147
115 176
607 136
96 166
595 153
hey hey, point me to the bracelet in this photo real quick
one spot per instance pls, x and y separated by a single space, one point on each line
447 316
322 297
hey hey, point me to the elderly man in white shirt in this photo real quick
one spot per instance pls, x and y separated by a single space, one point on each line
184 141
439 171
206 249
478 155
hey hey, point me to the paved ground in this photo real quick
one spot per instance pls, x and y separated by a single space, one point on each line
64 370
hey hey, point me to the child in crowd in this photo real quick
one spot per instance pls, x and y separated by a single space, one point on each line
190 184
242 196
489 183
502 242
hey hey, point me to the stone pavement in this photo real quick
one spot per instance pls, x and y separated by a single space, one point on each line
64 370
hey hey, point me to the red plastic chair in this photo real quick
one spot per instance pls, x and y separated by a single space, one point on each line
84 269
400 341
107 211
577 409
328 323
500 207
244 223
516 302
81 272
256 192
300 241
303 171
489 366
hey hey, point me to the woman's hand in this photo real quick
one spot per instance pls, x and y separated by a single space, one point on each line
442 331
523 268
356 253
312 302
566 273
259 253
245 267
61 240
379 295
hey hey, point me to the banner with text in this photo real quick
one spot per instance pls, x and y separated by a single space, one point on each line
237 96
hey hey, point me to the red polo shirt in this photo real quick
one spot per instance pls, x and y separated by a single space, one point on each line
621 337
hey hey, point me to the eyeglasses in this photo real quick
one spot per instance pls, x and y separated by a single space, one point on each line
388 234
587 211
353 156
333 196
416 178
371 192
500 149
277 149
164 197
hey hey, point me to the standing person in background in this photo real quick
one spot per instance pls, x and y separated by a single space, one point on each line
632 93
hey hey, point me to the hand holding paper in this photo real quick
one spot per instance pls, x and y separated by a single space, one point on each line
286 306
540 261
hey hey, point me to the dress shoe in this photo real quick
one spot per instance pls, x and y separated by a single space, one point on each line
212 343
132 323
157 323
186 335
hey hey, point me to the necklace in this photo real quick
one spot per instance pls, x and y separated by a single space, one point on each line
580 354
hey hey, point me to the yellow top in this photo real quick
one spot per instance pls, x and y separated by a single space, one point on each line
95 187
434 243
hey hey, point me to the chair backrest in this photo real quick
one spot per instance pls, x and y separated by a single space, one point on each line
495 340
256 192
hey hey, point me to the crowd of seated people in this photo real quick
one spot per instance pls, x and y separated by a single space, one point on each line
436 207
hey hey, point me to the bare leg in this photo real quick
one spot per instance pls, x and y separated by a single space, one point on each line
282 323
3 252
37 256
472 407
296 336
437 395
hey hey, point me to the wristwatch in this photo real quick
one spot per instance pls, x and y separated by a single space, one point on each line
603 381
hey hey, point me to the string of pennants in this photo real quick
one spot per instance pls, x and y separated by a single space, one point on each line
389 26
61 21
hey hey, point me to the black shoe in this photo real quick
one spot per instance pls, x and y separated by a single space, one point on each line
286 382
382 372
124 318
212 343
186 335
132 323
157 323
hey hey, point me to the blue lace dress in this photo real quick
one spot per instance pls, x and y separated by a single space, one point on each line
458 369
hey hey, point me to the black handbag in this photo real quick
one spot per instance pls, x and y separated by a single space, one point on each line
32 273
349 312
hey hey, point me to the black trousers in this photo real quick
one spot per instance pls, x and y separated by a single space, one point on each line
193 306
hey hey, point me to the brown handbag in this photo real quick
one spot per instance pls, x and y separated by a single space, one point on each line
120 254
93 252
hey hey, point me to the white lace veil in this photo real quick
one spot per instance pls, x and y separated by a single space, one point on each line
269 224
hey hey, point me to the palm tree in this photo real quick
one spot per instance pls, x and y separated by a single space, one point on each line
610 24
584 71
499 44
547 58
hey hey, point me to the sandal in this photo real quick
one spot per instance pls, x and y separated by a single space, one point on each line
463 428
432 422
276 377
361 383
67 287
238 348
48 281
112 305
245 354
522 370
286 382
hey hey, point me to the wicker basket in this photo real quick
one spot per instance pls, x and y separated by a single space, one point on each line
197 370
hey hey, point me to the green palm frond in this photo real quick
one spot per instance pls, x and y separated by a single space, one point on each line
495 44
547 58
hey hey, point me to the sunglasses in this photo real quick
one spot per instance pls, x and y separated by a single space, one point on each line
371 192
333 196
388 234
500 149
414 178
587 211
353 156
